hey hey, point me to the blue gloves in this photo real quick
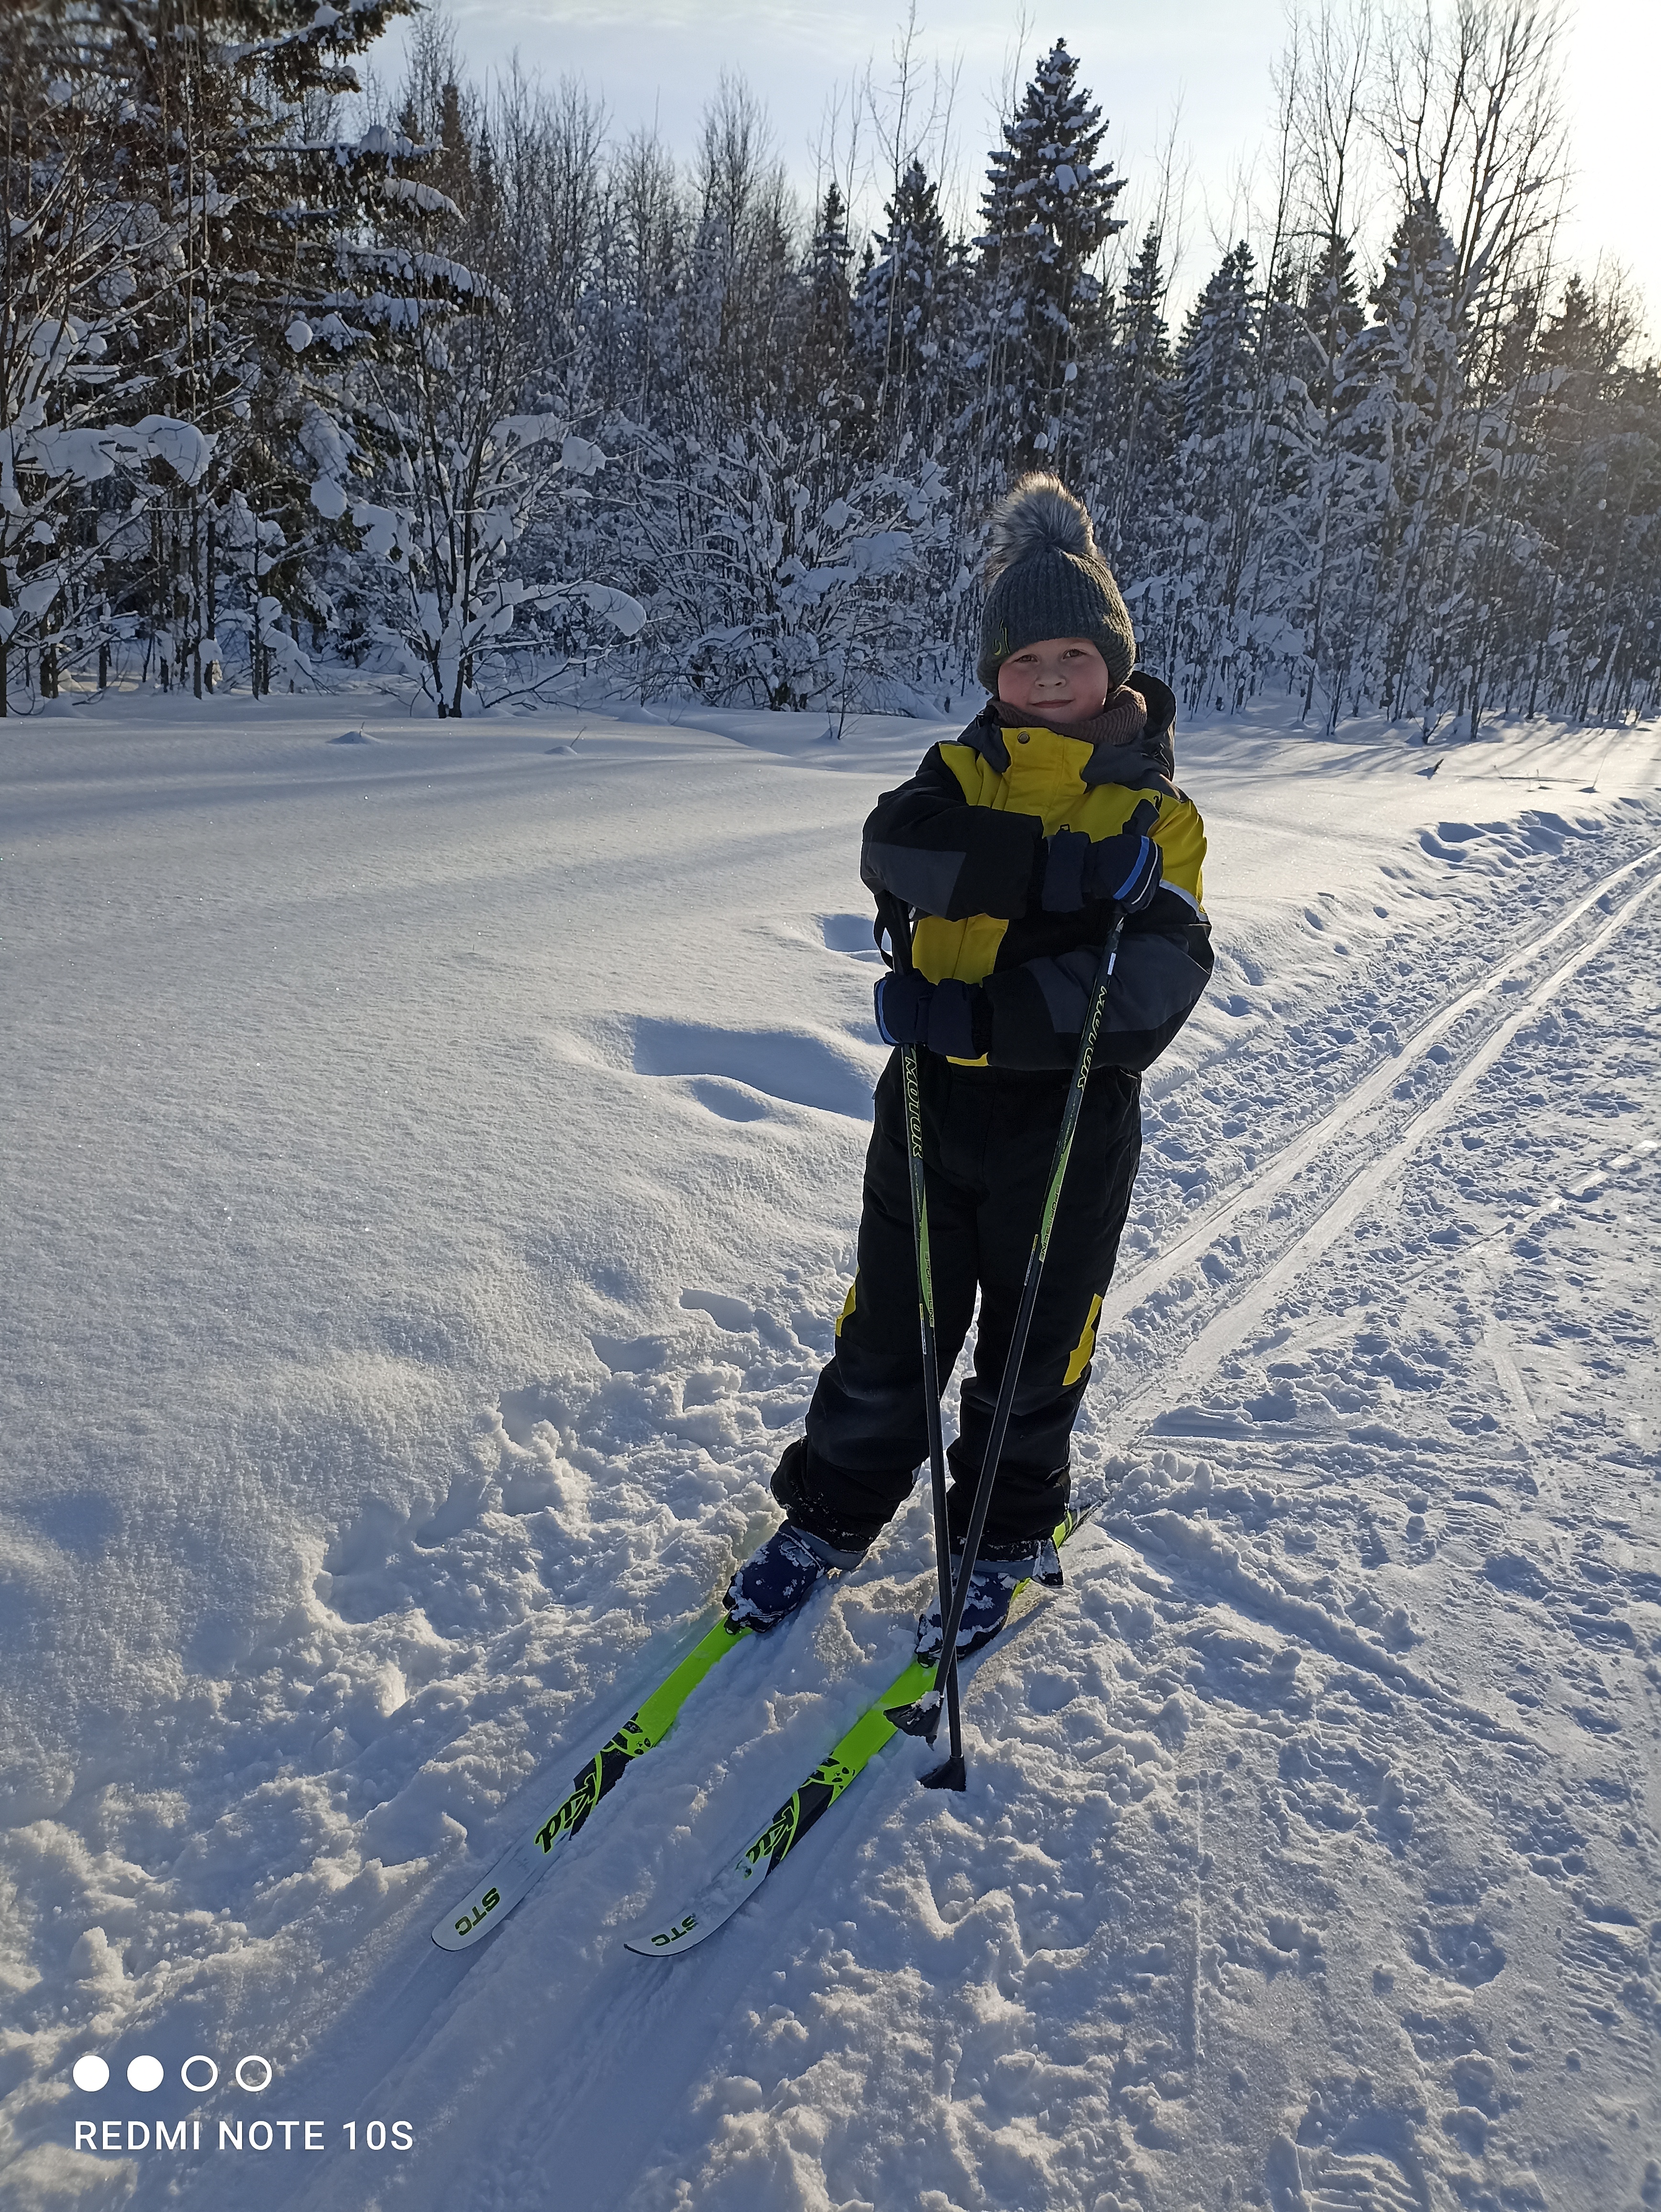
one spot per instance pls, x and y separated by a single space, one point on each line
910 1009
1078 869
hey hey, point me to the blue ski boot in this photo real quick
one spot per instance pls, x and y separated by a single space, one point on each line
991 1588
774 1581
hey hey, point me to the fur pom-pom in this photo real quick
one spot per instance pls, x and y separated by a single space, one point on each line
1035 515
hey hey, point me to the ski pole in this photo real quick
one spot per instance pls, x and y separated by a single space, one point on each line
892 916
923 1718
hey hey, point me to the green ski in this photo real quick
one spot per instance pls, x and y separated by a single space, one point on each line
737 1883
487 1905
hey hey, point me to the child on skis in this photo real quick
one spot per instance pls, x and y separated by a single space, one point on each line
1015 847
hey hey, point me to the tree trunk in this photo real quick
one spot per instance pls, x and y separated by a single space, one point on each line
213 595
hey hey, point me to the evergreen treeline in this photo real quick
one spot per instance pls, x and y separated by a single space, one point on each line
473 393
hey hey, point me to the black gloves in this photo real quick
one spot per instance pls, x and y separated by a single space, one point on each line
954 1019
910 1009
1078 869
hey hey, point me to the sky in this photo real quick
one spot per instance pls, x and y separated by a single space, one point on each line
1192 75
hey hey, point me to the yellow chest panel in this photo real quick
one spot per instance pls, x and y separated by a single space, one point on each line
1044 777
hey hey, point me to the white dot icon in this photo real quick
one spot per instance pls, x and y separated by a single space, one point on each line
145 2073
90 2072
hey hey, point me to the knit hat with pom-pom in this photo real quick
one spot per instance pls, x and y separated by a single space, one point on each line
1046 579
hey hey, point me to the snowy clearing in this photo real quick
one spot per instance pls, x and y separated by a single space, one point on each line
432 1173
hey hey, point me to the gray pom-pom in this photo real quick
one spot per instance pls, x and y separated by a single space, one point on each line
1037 515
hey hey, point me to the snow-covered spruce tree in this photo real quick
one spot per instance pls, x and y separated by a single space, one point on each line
1136 420
1500 587
1562 578
1340 477
1275 609
1591 511
229 142
57 307
1217 368
903 315
92 260
918 349
442 455
822 358
1406 423
1130 478
1047 213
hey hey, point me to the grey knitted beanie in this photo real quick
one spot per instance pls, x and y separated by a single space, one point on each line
1046 579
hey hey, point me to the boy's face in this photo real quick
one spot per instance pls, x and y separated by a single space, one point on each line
1064 679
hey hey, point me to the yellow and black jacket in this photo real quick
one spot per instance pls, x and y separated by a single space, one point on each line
963 843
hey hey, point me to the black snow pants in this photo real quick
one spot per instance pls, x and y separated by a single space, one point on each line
988 1138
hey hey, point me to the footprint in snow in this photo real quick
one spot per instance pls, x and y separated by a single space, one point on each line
850 933
534 1476
358 1583
1465 1951
733 1073
1351 2151
634 1355
1605 1977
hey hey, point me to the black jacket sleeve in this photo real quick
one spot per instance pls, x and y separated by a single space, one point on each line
927 846
1029 1015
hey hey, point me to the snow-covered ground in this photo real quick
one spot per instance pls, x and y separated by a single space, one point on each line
431 1169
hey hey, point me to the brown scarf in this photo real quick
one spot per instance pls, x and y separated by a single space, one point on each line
1121 721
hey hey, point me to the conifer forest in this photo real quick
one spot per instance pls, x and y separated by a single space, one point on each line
441 379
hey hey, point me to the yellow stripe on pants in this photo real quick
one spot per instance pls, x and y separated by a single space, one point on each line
1082 1349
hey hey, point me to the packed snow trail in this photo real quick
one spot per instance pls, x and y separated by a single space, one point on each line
1241 1313
1311 1845
1336 1128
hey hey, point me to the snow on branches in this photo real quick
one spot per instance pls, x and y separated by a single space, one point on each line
469 392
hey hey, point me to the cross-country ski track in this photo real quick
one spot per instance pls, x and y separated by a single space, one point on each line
1310 1850
1238 1316
1130 1285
